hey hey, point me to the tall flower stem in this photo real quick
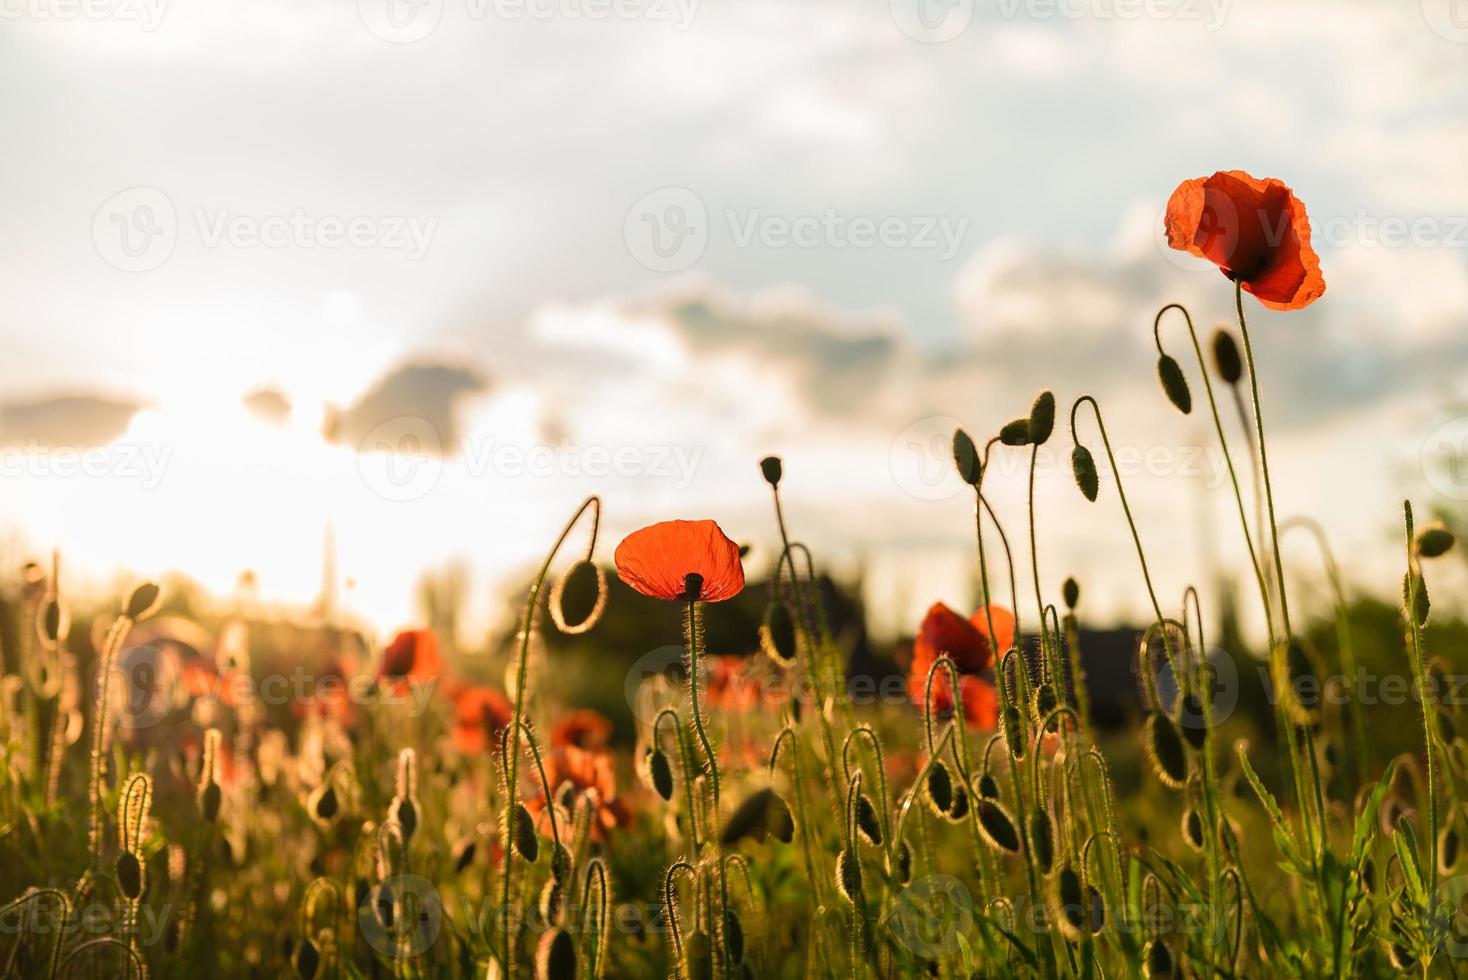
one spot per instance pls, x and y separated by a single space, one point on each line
100 722
1227 456
512 761
694 630
1419 668
817 883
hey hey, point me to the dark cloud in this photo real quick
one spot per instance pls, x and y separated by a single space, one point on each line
76 421
431 392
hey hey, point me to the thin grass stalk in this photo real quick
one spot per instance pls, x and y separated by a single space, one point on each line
1418 668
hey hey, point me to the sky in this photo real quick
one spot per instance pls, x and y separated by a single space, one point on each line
431 271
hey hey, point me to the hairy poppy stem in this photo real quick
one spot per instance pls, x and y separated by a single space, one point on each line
817 884
1419 668
101 720
512 762
1227 456
694 629
685 763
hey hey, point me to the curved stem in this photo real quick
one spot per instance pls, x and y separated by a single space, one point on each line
512 761
685 763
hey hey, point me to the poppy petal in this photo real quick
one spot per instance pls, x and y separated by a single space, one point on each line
657 560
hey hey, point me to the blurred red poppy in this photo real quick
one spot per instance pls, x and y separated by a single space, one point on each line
730 685
1255 231
658 559
583 728
575 775
481 715
966 641
411 658
979 697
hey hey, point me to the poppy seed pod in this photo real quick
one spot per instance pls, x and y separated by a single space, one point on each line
1083 465
940 789
966 458
772 469
1165 750
555 957
1295 684
988 787
552 900
1226 360
1434 541
1046 701
777 634
1193 829
1193 720
997 826
1071 593
660 773
578 598
1015 432
1042 418
210 798
142 601
464 854
782 822
867 823
1014 733
1170 373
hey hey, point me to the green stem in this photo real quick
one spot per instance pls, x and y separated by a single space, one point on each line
694 630
1418 667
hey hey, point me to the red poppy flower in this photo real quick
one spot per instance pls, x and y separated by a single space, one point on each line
412 657
574 775
657 561
980 698
481 715
1254 230
966 641
583 728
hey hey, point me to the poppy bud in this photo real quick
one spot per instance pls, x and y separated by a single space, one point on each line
966 458
324 804
209 799
131 878
1192 719
988 787
660 773
777 634
772 469
1226 359
555 956
1165 750
1015 433
405 812
307 959
904 863
1193 829
552 900
1174 384
940 789
1042 418
560 863
1157 960
522 834
1434 541
1448 849
1042 840
998 826
1294 681
143 599
1095 909
692 587
867 823
733 937
848 875
1014 733
1068 903
1047 701
53 622
1084 467
578 598
1071 593
959 809
782 822
464 854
